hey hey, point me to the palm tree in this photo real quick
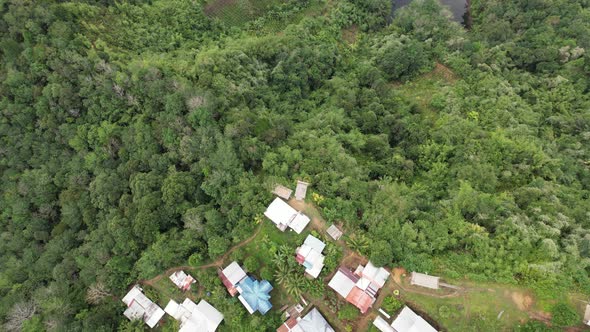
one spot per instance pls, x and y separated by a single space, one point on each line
358 242
282 273
294 285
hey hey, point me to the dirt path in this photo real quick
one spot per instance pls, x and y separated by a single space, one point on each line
216 263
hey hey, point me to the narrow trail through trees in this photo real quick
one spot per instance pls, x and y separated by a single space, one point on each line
216 263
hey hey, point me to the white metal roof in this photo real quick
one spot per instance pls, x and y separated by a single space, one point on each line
334 232
234 273
131 295
363 283
280 212
382 325
341 284
409 321
424 280
245 303
315 243
282 191
134 311
314 322
377 275
154 314
174 309
214 317
138 305
299 222
195 318
301 190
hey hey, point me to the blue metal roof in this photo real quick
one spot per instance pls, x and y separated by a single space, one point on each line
256 293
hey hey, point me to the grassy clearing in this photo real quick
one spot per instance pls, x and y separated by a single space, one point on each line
422 90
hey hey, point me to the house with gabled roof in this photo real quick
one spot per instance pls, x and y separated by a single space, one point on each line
231 276
283 216
312 322
409 321
140 307
182 280
359 288
202 317
309 254
425 280
254 294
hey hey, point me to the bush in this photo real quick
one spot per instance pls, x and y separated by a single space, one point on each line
391 304
348 312
251 264
564 315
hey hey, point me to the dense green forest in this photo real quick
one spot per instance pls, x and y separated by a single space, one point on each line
140 135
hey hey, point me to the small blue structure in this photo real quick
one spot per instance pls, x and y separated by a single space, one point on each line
254 295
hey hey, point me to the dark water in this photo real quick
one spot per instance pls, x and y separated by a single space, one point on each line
457 7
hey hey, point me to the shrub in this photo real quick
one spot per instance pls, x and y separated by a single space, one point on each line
564 315
251 264
391 304
348 312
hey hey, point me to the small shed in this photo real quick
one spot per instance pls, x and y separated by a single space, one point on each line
283 192
301 190
424 280
182 280
334 232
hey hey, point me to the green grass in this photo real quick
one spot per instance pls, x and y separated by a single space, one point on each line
475 309
422 90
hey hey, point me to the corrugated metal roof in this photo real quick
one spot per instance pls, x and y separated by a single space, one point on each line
409 321
424 280
256 294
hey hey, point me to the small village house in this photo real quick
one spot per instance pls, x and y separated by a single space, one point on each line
301 190
312 322
360 287
182 280
334 232
254 294
283 216
406 321
309 254
140 307
231 276
409 321
425 280
283 192
202 317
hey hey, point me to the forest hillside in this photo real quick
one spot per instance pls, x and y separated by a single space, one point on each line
136 136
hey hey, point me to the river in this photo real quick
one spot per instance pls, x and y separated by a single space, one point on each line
457 7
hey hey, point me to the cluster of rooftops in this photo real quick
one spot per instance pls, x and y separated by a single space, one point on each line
358 287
